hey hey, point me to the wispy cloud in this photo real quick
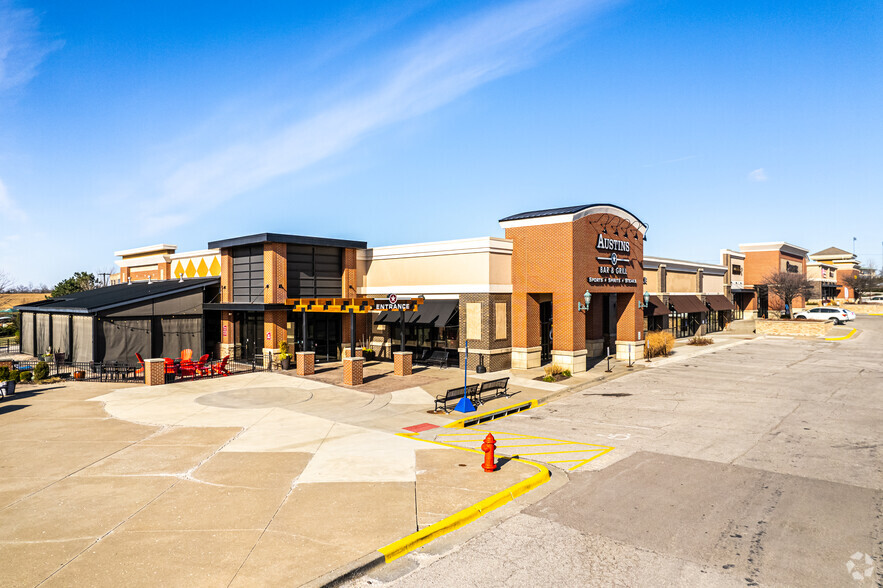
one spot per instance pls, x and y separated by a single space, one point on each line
22 47
441 66
758 175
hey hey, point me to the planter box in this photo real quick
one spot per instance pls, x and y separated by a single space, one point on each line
792 328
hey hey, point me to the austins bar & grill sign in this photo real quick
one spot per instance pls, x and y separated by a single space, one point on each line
615 274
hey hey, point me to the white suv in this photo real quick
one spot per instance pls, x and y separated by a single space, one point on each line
825 313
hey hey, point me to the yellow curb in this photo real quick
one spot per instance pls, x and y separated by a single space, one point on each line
875 314
843 338
459 424
407 544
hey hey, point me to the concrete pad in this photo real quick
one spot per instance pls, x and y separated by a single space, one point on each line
264 397
195 558
45 429
415 395
191 505
253 470
285 559
192 436
55 459
28 564
13 489
211 416
444 486
356 454
283 430
146 460
78 508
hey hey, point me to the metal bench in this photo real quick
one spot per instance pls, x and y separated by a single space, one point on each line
498 387
7 387
455 394
438 357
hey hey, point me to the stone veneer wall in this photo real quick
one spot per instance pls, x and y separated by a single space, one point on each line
496 353
800 328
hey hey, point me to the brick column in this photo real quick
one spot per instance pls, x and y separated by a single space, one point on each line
154 372
306 363
628 323
402 363
352 370
346 352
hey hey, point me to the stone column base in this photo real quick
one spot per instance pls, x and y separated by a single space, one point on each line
267 352
228 349
629 350
155 372
346 352
402 362
306 363
352 370
575 361
526 357
595 347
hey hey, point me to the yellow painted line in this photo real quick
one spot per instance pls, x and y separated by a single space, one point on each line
843 338
407 544
557 452
459 424
583 462
546 438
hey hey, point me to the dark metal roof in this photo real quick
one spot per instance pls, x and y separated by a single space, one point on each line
244 306
432 313
565 210
114 296
831 251
293 239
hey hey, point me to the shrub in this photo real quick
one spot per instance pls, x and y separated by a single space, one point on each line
566 373
549 378
41 372
698 340
660 343
553 369
25 376
15 375
4 373
283 350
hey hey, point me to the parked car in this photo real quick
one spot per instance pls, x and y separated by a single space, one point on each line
826 313
849 314
877 299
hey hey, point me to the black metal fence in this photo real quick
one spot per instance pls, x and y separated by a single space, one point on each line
8 347
115 371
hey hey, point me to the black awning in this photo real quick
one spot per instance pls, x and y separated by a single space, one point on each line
390 317
686 303
657 306
434 313
719 302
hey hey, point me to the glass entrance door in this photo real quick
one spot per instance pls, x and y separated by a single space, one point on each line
608 304
249 334
545 333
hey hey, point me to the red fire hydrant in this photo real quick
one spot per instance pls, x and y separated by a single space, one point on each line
488 447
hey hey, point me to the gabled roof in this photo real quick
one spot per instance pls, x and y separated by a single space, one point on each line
832 251
568 214
114 296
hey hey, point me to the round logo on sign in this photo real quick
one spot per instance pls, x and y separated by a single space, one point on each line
613 259
393 298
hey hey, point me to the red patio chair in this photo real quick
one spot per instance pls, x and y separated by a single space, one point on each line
140 371
201 368
170 365
220 369
186 355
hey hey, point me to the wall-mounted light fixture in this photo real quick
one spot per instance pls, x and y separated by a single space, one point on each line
646 302
587 297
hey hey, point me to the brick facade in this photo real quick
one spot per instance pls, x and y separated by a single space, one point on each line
495 354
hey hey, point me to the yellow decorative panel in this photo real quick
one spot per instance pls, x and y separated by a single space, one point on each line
215 268
179 270
191 271
202 270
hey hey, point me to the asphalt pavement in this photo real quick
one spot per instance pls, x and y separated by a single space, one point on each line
753 464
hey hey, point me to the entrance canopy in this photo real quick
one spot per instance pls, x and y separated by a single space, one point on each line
355 305
432 313
686 303
657 306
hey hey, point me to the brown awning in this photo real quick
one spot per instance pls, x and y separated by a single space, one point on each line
657 306
686 303
719 302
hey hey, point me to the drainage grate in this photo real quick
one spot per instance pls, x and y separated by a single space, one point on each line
489 416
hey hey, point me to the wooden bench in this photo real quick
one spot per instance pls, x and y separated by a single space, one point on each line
438 357
498 387
455 394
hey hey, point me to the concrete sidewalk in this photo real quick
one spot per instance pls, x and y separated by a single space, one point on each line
224 481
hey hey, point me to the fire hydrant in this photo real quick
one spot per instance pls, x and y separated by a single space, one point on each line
488 447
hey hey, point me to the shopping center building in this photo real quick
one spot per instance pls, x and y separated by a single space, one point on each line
563 285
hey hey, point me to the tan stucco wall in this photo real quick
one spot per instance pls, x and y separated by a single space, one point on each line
712 284
440 270
652 276
680 282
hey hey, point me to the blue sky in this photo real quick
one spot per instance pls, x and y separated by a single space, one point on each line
128 124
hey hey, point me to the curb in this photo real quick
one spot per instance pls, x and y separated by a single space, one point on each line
843 338
460 424
409 543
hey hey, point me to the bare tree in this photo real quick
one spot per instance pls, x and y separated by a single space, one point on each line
787 286
863 282
6 287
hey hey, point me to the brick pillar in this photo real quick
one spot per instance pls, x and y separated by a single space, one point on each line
275 272
155 372
275 331
352 370
346 352
402 363
228 342
306 363
628 323
226 276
